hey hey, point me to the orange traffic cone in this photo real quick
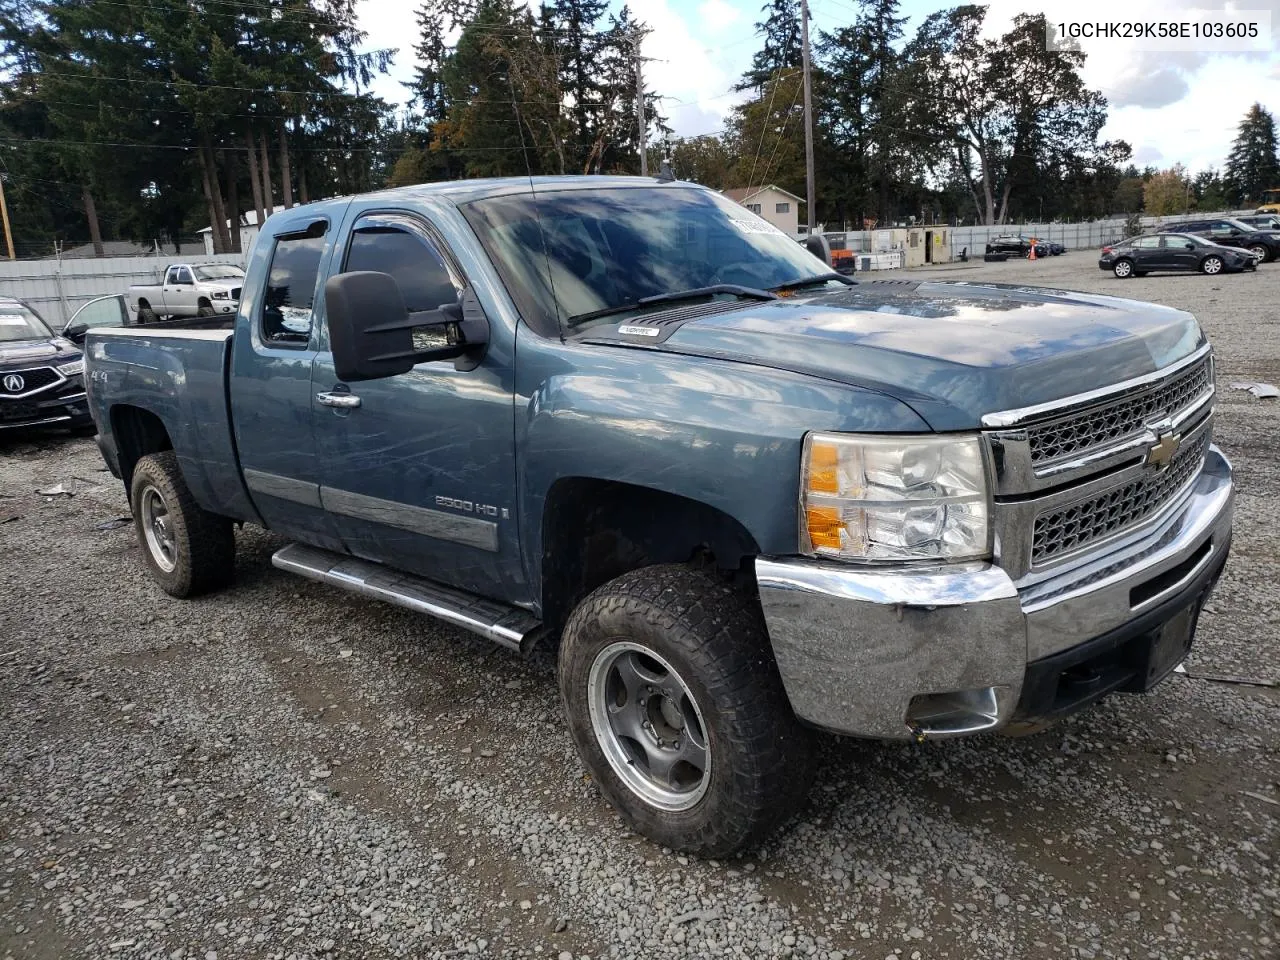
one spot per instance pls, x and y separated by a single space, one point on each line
1032 254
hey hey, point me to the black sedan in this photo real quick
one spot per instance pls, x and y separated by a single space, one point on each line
1138 256
1229 232
1017 245
41 375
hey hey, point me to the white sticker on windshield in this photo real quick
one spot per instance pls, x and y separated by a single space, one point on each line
755 226
12 320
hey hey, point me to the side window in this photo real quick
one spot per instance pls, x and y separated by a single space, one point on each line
291 289
171 277
1146 243
782 208
1220 228
183 276
425 280
753 207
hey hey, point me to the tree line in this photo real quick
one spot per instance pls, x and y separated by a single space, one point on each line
140 119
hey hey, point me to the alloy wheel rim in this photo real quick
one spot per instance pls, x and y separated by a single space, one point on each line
648 726
157 527
1212 265
1122 268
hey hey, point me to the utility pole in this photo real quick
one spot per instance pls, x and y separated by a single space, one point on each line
4 212
808 115
640 111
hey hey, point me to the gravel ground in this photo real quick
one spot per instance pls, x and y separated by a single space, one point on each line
283 770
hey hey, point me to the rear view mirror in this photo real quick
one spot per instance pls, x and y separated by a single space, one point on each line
817 244
373 335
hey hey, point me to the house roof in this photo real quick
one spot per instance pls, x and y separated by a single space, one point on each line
743 194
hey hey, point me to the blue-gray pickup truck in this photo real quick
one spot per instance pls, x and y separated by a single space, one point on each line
747 498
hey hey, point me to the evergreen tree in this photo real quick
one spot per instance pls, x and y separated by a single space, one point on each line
570 29
782 44
1252 166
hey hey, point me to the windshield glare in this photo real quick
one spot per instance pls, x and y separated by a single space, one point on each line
574 252
21 323
219 271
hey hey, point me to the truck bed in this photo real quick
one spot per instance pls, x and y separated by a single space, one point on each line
174 373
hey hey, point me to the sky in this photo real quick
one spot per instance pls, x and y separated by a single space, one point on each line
1180 107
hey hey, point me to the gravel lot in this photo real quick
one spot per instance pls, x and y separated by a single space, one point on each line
283 770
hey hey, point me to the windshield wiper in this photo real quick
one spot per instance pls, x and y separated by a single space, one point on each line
694 293
813 281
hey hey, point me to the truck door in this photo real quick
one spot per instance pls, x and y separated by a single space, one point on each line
180 292
272 353
421 474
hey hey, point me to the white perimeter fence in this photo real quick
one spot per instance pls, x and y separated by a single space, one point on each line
57 288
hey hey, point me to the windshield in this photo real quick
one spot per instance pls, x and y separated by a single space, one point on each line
219 271
1241 225
21 323
572 253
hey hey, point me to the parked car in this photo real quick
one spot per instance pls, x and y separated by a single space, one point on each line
745 496
1261 221
1229 232
1055 248
1017 246
1138 256
114 311
199 290
41 375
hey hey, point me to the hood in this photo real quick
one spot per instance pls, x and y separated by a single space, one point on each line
952 351
25 352
229 283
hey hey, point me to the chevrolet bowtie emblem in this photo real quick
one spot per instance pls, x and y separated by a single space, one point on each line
1164 450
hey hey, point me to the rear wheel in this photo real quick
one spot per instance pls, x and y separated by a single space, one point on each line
1211 265
1123 269
1260 252
146 314
677 709
187 549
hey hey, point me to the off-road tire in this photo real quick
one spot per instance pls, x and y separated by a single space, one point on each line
204 310
714 637
204 543
147 315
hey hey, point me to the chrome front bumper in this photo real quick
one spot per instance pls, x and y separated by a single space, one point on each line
944 651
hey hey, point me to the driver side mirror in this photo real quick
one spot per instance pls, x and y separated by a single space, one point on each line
373 335
817 244
1190 246
75 333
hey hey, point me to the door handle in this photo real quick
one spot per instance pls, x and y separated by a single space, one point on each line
344 401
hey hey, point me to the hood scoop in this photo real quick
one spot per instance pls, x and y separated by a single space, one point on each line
651 328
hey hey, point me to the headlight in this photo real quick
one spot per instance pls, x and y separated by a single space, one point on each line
72 368
221 295
894 497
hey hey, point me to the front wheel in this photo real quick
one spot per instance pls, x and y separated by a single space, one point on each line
1212 265
187 549
204 310
1123 269
677 709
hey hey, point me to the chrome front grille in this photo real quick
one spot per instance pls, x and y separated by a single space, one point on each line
1079 525
1103 425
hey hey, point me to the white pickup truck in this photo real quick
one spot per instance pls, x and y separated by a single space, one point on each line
199 290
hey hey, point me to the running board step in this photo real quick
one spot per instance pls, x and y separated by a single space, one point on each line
506 626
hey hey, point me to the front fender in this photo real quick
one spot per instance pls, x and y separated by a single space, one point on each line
724 434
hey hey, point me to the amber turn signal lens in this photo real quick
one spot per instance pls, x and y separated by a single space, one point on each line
824 461
825 524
